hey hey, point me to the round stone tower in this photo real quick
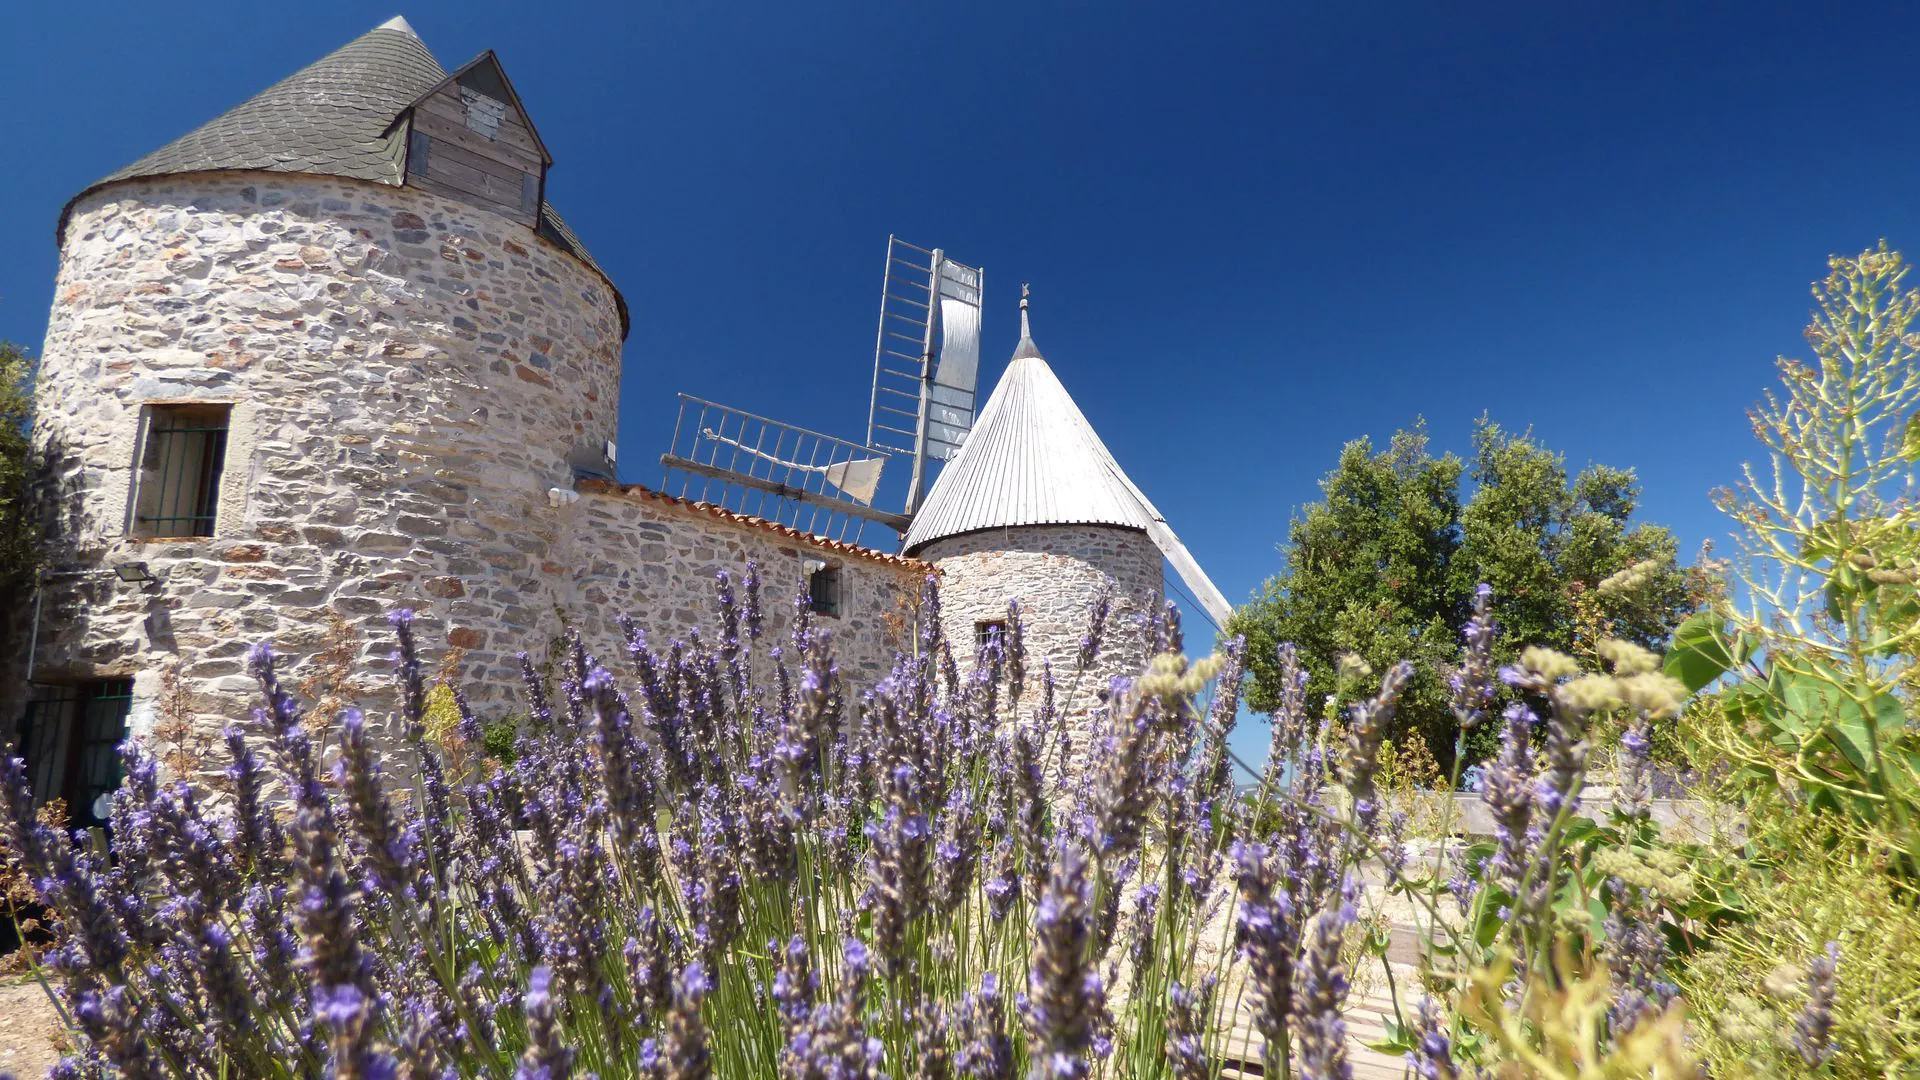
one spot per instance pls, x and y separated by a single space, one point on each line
1036 509
324 356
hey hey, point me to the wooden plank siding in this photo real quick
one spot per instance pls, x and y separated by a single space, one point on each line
448 158
513 132
442 129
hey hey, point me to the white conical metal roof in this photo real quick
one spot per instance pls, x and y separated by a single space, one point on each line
1032 459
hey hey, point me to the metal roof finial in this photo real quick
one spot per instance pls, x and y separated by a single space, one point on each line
1026 348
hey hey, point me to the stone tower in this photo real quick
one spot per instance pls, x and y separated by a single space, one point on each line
329 353
1036 509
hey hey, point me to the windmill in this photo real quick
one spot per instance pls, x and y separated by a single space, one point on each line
926 364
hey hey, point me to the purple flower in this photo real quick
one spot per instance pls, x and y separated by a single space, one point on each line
1097 613
1188 1013
545 1058
1322 994
1635 792
1471 685
1367 725
1813 1031
1432 1055
1508 792
1065 997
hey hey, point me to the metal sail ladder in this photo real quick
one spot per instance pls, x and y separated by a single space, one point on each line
926 359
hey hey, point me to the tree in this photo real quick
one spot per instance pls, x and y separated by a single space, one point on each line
20 520
1385 567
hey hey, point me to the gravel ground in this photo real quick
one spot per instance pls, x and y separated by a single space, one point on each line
30 1031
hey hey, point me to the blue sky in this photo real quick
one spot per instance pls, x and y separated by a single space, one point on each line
1254 230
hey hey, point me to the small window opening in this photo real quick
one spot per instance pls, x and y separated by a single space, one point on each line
178 489
70 738
823 588
989 631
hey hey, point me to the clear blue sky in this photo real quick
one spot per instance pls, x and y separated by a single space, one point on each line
1254 230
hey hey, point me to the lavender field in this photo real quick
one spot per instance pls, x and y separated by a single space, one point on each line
712 857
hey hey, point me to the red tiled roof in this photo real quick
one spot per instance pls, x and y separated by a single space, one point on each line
588 485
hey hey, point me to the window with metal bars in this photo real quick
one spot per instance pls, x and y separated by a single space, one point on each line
178 490
823 588
989 631
70 738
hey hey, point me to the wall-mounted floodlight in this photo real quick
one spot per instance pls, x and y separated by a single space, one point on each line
134 573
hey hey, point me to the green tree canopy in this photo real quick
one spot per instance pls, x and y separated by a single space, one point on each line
1385 566
19 534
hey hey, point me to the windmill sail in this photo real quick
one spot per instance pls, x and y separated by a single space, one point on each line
926 358
957 374
858 478
761 467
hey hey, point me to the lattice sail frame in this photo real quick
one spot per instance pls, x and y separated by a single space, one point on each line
752 465
926 359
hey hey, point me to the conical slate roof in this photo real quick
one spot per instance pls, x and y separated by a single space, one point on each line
335 117
1033 459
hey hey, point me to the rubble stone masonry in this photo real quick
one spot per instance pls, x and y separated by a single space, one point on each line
1055 571
410 381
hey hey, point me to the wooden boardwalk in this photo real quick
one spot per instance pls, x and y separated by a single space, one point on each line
1365 1016
1370 1004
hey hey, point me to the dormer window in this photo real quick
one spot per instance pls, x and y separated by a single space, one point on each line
470 140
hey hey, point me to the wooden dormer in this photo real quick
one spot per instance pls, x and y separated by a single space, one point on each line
470 139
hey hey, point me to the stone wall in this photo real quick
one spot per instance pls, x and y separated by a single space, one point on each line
655 557
407 378
1055 571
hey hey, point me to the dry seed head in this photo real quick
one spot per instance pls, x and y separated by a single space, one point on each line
1656 694
1201 673
1746 1020
1663 873
1547 663
1786 982
1633 577
1590 693
1626 657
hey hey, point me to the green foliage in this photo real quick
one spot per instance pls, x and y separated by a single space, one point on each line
1806 704
1797 881
1822 658
1385 566
19 537
498 737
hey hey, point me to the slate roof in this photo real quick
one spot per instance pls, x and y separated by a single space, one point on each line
334 117
1033 459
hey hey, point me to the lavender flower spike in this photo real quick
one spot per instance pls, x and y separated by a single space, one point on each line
545 1058
1432 1057
1187 1012
1369 724
1813 1031
1471 686
683 1054
1064 993
1321 994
